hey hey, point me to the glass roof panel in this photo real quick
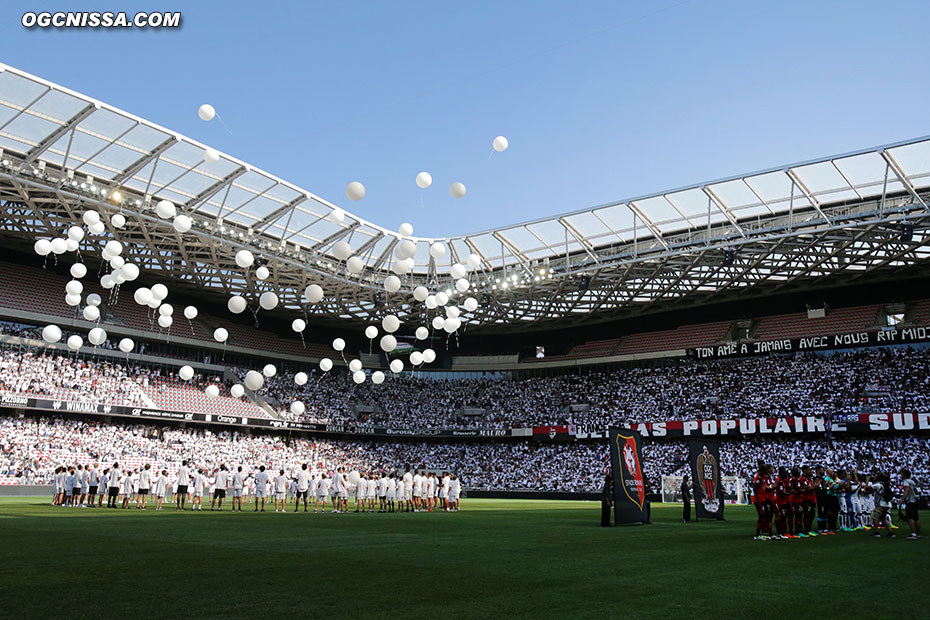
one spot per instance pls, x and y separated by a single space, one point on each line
691 202
550 231
589 226
734 194
30 128
19 90
866 172
144 137
58 105
657 211
821 178
106 123
772 186
914 160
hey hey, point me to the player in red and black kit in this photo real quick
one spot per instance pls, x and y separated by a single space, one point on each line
796 527
762 496
783 512
808 499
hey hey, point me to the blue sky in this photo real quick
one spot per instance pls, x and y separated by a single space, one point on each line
600 100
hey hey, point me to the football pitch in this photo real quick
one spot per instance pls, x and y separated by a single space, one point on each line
494 559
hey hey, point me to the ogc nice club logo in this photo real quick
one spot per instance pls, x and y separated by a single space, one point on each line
631 474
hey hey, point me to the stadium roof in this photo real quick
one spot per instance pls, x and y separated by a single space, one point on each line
63 152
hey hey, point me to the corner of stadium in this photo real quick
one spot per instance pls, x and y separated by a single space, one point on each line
706 399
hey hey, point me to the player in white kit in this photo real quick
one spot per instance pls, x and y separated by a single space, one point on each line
161 488
303 486
238 484
280 491
200 481
361 488
444 491
261 483
220 483
184 480
145 484
322 492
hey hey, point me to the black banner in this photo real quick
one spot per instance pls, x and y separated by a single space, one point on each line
704 457
626 464
901 335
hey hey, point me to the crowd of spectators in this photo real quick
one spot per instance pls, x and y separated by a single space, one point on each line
32 447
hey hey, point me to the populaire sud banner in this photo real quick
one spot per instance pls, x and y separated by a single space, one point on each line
626 464
704 458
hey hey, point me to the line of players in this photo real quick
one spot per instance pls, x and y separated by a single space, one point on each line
841 502
79 486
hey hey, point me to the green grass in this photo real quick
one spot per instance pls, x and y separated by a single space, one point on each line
495 559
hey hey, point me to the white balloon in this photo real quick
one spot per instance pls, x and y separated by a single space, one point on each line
186 373
452 312
301 378
75 342
212 391
117 276
388 343
337 216
74 287
431 302
166 309
297 407
59 246
130 271
462 285
405 249
313 293
326 364
298 325
51 334
420 293
377 377
153 303
355 265
471 304
211 156
371 332
118 220
396 366
237 304
166 210
355 365
244 259
254 380
457 189
159 291
390 323
91 217
76 233
437 250
206 112
355 191
452 324
117 262
236 391
424 180
406 229
93 299
72 300
106 281
269 370
268 300
339 344
190 312
182 223
126 345
416 358
43 247
441 298
91 313
220 334
97 228
262 273
358 376
71 245
438 322
165 321
97 336
422 333
142 296
392 284
457 271
500 144
402 267
429 356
